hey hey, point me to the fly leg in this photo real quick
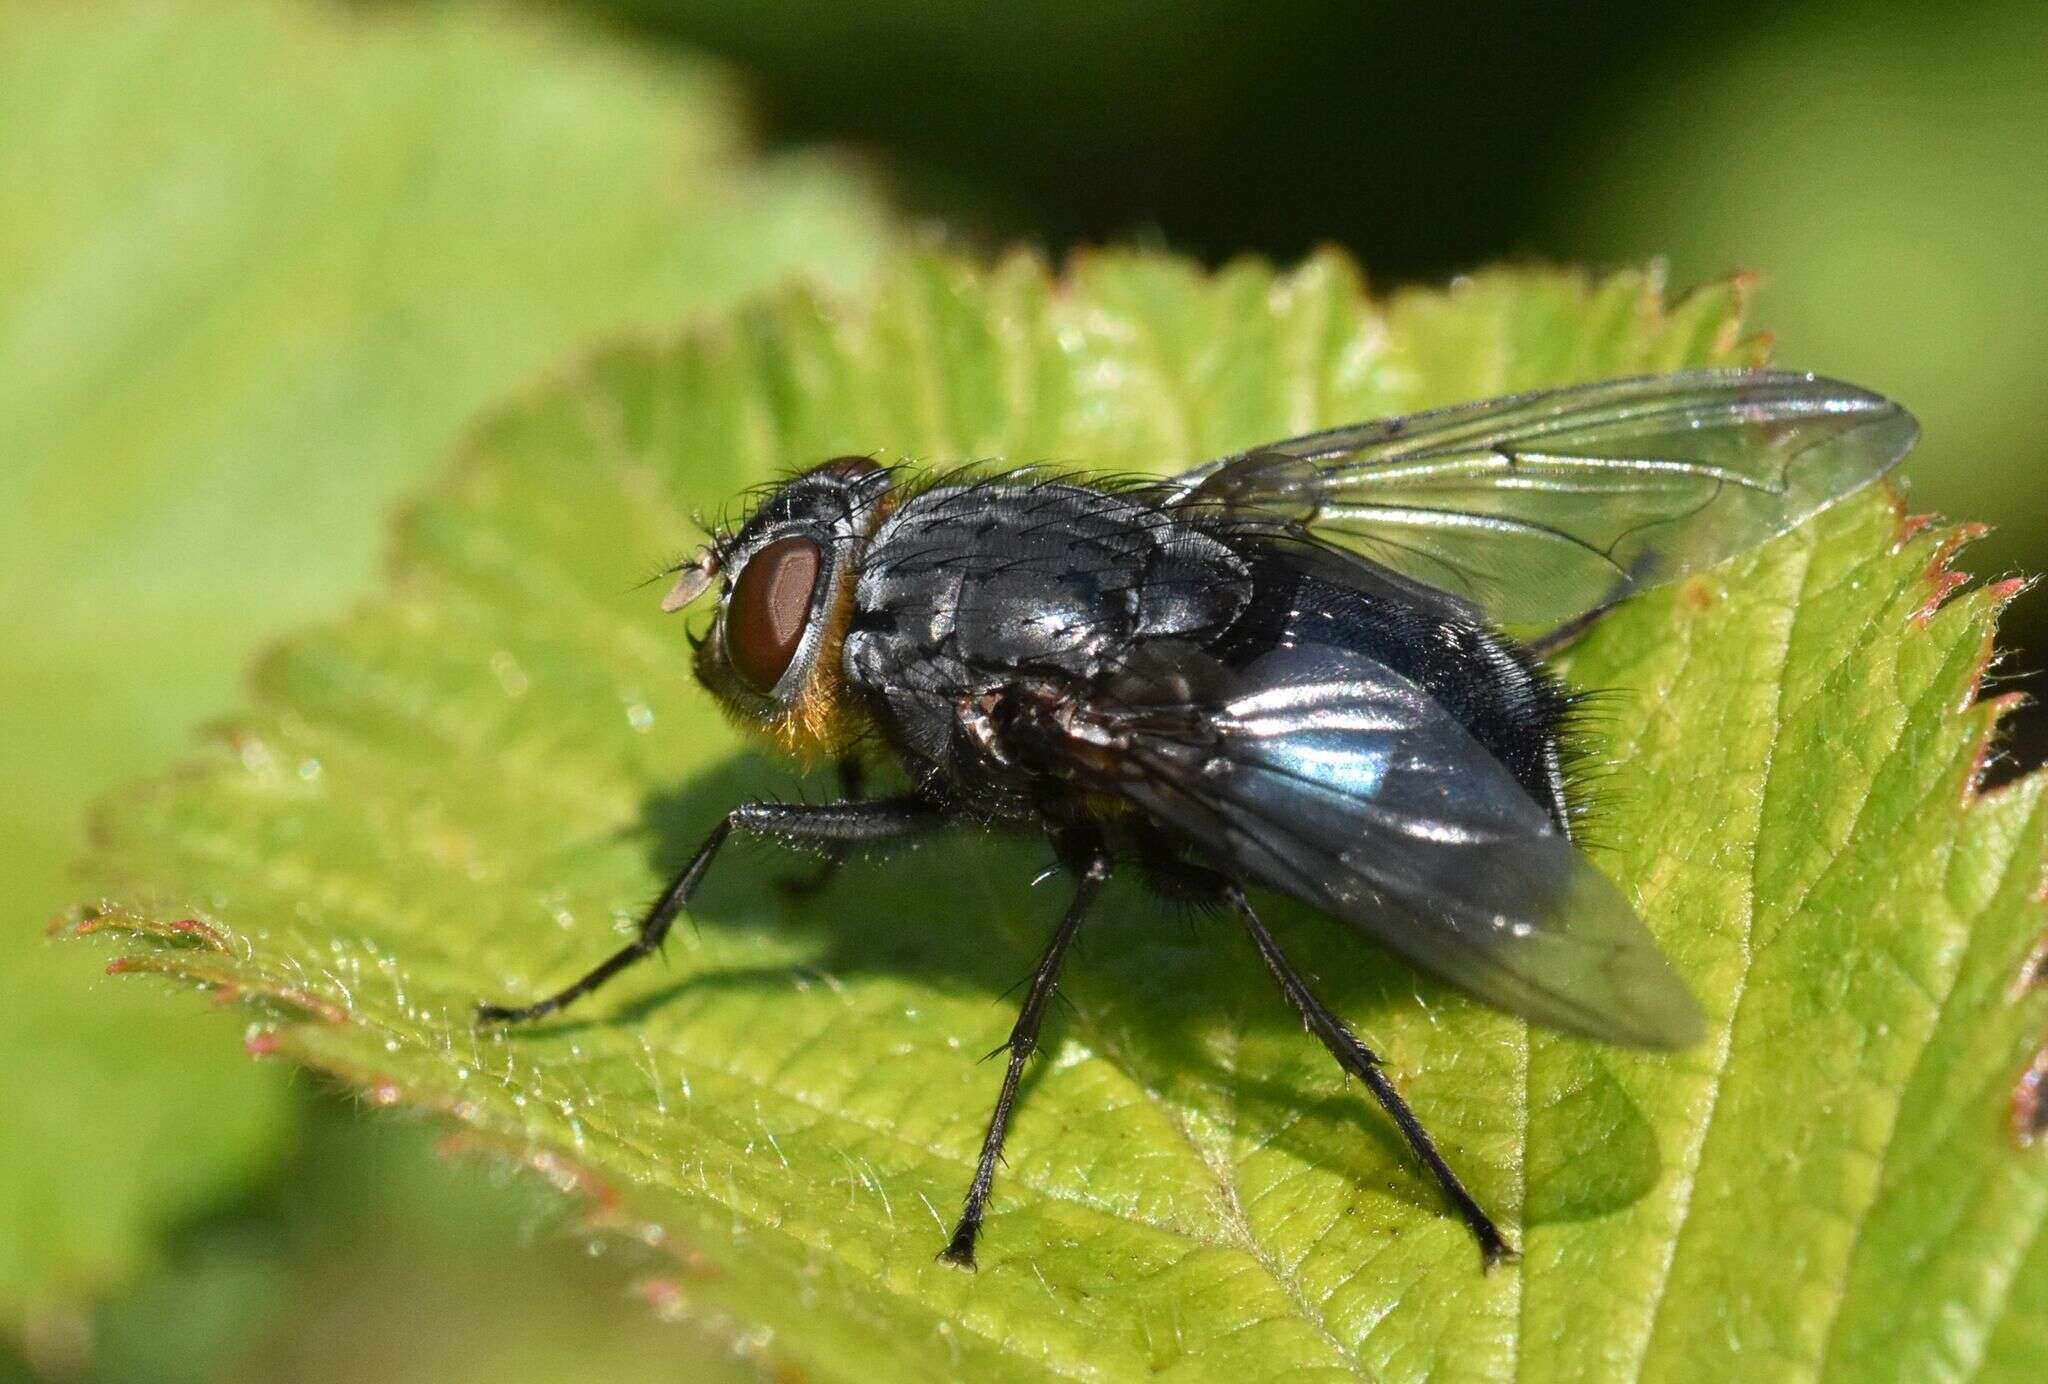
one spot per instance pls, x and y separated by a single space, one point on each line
841 824
852 780
1359 1060
1550 641
1090 864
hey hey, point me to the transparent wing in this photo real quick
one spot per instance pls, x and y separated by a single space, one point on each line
1336 780
1540 507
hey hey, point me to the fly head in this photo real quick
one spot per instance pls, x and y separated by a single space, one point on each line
784 582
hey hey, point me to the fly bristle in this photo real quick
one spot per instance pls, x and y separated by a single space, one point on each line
1586 717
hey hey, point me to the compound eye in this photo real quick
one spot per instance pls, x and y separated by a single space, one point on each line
770 605
851 467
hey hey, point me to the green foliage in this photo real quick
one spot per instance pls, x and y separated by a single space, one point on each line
386 1253
1882 218
258 264
468 789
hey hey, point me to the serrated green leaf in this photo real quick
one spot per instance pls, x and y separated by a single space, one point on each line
468 789
258 264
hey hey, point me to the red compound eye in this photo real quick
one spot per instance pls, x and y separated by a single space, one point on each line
769 608
849 466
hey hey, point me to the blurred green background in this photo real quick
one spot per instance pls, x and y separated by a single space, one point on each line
260 260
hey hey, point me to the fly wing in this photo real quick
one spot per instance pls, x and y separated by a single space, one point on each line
1538 508
1332 778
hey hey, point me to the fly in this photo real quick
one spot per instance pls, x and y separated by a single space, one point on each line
1296 668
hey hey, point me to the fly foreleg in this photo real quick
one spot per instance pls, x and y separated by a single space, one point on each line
833 824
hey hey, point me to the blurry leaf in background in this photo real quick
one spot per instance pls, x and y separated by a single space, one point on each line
121 1113
258 264
1410 134
1889 178
1031 118
469 787
375 1258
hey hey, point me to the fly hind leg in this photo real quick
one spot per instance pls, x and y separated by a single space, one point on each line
1359 1060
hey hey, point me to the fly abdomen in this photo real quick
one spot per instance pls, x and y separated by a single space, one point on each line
1502 697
